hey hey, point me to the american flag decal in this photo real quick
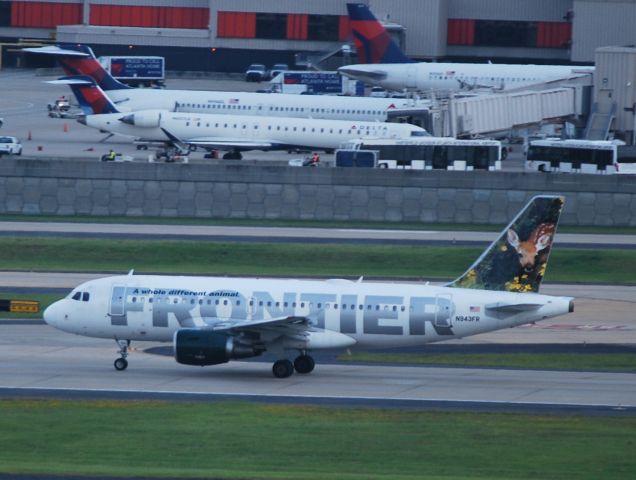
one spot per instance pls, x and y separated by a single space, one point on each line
475 309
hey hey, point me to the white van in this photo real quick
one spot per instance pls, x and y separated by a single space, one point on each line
10 145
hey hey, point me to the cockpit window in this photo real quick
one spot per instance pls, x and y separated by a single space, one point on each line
77 296
85 296
420 133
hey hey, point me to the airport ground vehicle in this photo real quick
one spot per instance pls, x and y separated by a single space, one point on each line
581 156
424 153
277 69
378 92
136 71
316 82
60 108
10 146
256 72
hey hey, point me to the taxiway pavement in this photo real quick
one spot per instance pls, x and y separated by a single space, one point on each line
54 361
292 234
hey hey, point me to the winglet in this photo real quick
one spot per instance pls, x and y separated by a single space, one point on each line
516 261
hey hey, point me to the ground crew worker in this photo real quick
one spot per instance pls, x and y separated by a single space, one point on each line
315 159
111 156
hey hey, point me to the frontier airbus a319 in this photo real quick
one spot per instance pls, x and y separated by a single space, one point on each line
385 64
212 320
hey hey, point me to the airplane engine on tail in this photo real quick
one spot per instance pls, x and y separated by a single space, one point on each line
143 118
201 347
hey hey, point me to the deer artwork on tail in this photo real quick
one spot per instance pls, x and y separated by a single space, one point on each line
528 250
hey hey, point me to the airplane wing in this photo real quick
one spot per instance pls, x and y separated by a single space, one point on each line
216 143
221 144
288 324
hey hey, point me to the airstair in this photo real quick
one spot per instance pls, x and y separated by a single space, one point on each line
599 123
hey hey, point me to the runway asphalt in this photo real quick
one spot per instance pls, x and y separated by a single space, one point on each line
55 363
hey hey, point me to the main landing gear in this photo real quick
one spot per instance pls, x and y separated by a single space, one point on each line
233 155
285 368
121 363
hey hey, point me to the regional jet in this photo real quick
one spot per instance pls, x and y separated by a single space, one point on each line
212 320
80 60
234 133
386 66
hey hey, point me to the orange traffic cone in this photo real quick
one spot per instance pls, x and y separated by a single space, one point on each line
65 127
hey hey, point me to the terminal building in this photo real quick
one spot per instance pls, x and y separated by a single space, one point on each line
227 35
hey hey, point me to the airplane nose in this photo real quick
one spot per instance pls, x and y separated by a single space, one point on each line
52 314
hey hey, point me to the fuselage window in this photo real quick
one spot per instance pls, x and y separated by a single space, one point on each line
150 300
269 304
224 302
134 299
176 300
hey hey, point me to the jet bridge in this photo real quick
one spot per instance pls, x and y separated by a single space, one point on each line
496 114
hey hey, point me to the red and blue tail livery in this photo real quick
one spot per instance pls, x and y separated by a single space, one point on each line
373 43
91 97
77 59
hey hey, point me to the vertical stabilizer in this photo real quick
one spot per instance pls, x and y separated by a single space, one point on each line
92 99
517 260
372 41
77 59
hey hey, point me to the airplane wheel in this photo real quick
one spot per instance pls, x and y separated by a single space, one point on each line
283 369
304 364
121 364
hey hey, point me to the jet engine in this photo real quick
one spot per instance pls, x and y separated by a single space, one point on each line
143 118
204 347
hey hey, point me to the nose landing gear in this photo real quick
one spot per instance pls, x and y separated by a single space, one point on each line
121 363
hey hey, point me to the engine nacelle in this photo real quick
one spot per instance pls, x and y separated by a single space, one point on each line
143 118
205 347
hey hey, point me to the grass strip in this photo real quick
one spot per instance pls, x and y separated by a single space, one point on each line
249 222
220 258
616 362
241 440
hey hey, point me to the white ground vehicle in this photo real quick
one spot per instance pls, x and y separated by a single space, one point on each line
581 156
256 72
10 146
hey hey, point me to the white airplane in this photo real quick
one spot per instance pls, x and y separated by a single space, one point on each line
235 133
212 320
80 60
389 68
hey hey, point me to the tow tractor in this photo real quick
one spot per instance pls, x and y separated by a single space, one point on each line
170 154
60 108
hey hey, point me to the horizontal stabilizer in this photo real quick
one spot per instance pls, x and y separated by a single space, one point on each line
55 50
79 80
